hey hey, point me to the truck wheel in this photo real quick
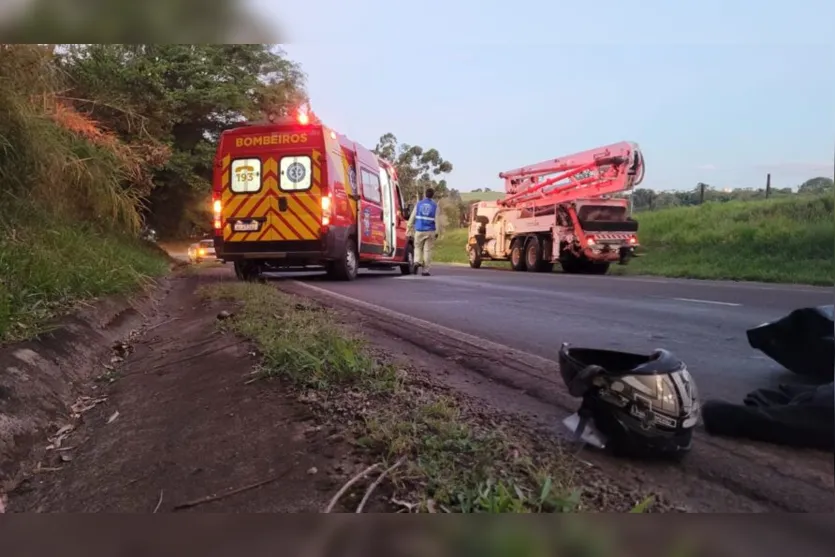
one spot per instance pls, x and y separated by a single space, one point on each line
474 257
517 256
347 266
596 268
571 265
533 254
409 268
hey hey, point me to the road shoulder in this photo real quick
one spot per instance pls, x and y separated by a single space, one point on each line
721 475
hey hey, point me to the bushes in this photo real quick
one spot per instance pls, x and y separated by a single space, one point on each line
69 209
781 240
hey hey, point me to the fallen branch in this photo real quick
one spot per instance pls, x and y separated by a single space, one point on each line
348 485
159 503
379 479
212 498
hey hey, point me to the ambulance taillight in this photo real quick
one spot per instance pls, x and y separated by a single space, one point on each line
217 211
327 203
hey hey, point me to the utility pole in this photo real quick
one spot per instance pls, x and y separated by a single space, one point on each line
767 186
701 193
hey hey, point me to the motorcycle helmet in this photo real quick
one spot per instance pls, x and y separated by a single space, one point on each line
642 405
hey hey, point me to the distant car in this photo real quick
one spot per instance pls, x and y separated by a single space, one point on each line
201 251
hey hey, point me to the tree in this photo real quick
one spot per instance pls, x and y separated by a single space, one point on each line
417 168
817 185
180 97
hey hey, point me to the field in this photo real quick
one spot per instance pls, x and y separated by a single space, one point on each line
787 240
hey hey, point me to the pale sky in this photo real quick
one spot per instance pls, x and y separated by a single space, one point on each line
721 92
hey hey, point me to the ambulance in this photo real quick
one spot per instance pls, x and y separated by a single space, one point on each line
292 194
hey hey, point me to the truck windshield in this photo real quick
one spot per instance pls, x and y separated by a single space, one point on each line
607 213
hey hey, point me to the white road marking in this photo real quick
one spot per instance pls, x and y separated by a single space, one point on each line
706 302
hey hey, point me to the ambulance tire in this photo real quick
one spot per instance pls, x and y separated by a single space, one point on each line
517 255
246 271
345 268
409 268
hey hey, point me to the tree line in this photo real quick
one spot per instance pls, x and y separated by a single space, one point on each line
128 131
644 199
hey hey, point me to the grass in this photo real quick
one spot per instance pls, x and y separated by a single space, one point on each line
48 265
72 192
787 240
454 462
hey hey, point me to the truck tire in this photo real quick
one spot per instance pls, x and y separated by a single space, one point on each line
595 268
474 257
517 255
409 268
533 254
571 265
346 267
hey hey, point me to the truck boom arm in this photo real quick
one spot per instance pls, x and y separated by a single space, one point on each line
596 172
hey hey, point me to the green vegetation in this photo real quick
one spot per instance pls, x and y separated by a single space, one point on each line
451 460
48 265
97 141
645 199
67 225
169 103
781 240
788 239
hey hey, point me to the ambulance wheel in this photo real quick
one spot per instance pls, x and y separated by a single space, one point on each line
517 256
474 257
409 268
246 271
347 267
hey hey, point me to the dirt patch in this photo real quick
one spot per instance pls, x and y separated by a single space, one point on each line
42 378
180 425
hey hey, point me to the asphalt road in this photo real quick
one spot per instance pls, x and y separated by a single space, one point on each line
702 322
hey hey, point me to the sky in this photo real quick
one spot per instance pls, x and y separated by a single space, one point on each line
721 92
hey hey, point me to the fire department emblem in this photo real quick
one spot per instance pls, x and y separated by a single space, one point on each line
366 222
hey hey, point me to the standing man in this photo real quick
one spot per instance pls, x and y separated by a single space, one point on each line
424 223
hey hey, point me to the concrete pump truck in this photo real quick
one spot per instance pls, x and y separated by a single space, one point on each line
562 210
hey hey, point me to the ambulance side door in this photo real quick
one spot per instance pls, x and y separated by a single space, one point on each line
402 222
370 219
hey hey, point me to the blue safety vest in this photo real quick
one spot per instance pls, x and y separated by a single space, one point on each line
425 215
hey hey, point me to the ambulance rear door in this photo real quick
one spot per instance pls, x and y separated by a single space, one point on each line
274 193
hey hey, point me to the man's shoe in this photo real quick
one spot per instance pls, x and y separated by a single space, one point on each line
425 274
